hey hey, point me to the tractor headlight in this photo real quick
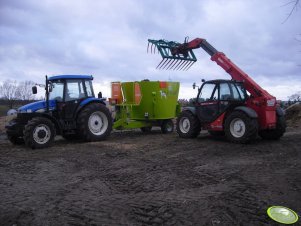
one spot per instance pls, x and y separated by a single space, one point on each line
41 110
271 102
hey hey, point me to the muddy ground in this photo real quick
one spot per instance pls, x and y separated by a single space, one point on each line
149 179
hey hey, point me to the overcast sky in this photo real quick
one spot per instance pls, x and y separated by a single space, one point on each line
108 39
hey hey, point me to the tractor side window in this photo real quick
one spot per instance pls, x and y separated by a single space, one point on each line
236 95
225 93
241 91
74 90
207 92
89 89
57 91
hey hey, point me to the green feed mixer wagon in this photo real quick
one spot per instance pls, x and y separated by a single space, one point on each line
144 104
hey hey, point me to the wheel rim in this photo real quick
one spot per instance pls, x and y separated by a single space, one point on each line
169 127
41 134
237 127
98 123
184 125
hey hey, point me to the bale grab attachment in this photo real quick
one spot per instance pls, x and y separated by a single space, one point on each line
174 55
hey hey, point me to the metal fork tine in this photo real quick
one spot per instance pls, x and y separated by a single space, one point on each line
183 65
160 63
187 66
179 65
190 66
147 47
176 64
169 60
172 63
177 61
166 60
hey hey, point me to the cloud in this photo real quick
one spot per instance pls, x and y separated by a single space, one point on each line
109 38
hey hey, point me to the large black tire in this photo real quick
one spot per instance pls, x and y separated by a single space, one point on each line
167 126
94 122
39 133
240 128
274 134
188 125
15 140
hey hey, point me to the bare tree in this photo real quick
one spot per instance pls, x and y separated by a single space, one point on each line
24 91
8 91
296 97
295 5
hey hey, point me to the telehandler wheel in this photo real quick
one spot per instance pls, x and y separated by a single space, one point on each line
15 140
188 125
39 133
94 122
167 126
240 128
147 129
274 134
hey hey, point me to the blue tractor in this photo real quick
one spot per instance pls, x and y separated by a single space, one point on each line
70 110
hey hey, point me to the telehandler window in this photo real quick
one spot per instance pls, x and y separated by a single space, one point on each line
208 92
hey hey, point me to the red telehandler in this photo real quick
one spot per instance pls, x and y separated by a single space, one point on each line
238 108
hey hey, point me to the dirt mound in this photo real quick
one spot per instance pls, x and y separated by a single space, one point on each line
293 115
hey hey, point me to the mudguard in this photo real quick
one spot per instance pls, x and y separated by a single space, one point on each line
191 109
249 111
88 101
92 99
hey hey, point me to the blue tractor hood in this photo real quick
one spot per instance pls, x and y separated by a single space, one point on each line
35 106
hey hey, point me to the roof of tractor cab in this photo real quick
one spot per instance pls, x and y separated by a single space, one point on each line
221 81
88 77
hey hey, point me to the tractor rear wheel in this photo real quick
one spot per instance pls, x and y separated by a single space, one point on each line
39 133
188 125
274 134
240 128
94 122
167 126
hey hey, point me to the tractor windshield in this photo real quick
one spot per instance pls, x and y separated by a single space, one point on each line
56 91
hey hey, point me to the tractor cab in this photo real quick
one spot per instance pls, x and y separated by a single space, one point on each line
70 88
69 91
217 96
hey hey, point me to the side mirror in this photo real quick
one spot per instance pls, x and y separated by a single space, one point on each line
34 90
193 85
100 95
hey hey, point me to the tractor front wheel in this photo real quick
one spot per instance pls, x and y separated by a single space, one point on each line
240 128
188 125
39 133
167 126
94 122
